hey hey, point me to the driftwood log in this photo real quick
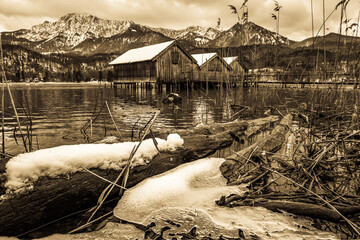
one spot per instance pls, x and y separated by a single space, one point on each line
299 208
54 198
271 143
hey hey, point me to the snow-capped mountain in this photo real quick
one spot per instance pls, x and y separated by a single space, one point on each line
195 35
134 36
247 34
73 29
84 34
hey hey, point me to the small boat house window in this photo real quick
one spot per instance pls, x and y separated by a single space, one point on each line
175 57
211 66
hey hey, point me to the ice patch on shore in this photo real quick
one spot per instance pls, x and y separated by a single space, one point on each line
186 197
187 185
24 169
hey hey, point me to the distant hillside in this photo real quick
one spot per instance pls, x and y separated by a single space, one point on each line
331 42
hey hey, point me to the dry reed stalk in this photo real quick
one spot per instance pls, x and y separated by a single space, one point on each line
96 175
37 143
133 128
6 155
112 119
89 124
126 169
28 116
236 115
11 97
146 132
154 141
16 114
89 223
91 127
267 185
246 158
2 98
325 150
353 225
124 181
108 189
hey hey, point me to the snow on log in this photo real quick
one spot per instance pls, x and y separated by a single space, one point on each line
52 198
24 169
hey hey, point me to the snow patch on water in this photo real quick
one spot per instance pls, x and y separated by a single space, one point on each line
24 169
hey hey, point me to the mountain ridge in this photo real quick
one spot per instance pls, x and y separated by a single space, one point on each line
72 32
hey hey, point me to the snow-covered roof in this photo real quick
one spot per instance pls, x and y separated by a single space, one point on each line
142 54
230 60
202 58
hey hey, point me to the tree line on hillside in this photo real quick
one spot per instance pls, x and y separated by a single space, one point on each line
22 65
290 59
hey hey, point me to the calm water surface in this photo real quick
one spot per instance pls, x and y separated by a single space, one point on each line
59 111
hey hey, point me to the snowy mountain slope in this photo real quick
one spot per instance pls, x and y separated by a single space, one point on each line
195 35
73 29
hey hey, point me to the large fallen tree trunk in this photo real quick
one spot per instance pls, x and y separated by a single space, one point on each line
54 198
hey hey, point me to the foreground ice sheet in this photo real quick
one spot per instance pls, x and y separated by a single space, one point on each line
109 232
186 196
26 168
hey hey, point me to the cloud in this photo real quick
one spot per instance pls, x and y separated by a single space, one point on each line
295 16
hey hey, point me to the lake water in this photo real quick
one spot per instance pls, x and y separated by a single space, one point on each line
59 111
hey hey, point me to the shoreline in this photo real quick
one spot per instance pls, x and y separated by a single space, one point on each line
258 85
94 83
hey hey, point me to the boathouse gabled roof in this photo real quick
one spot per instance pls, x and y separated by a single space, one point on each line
230 60
141 54
203 58
147 53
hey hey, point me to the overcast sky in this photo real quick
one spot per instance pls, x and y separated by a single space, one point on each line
295 15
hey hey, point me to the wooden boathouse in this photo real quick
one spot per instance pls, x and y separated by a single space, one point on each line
238 70
163 63
211 68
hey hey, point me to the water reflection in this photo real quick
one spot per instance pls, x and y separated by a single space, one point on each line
58 112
